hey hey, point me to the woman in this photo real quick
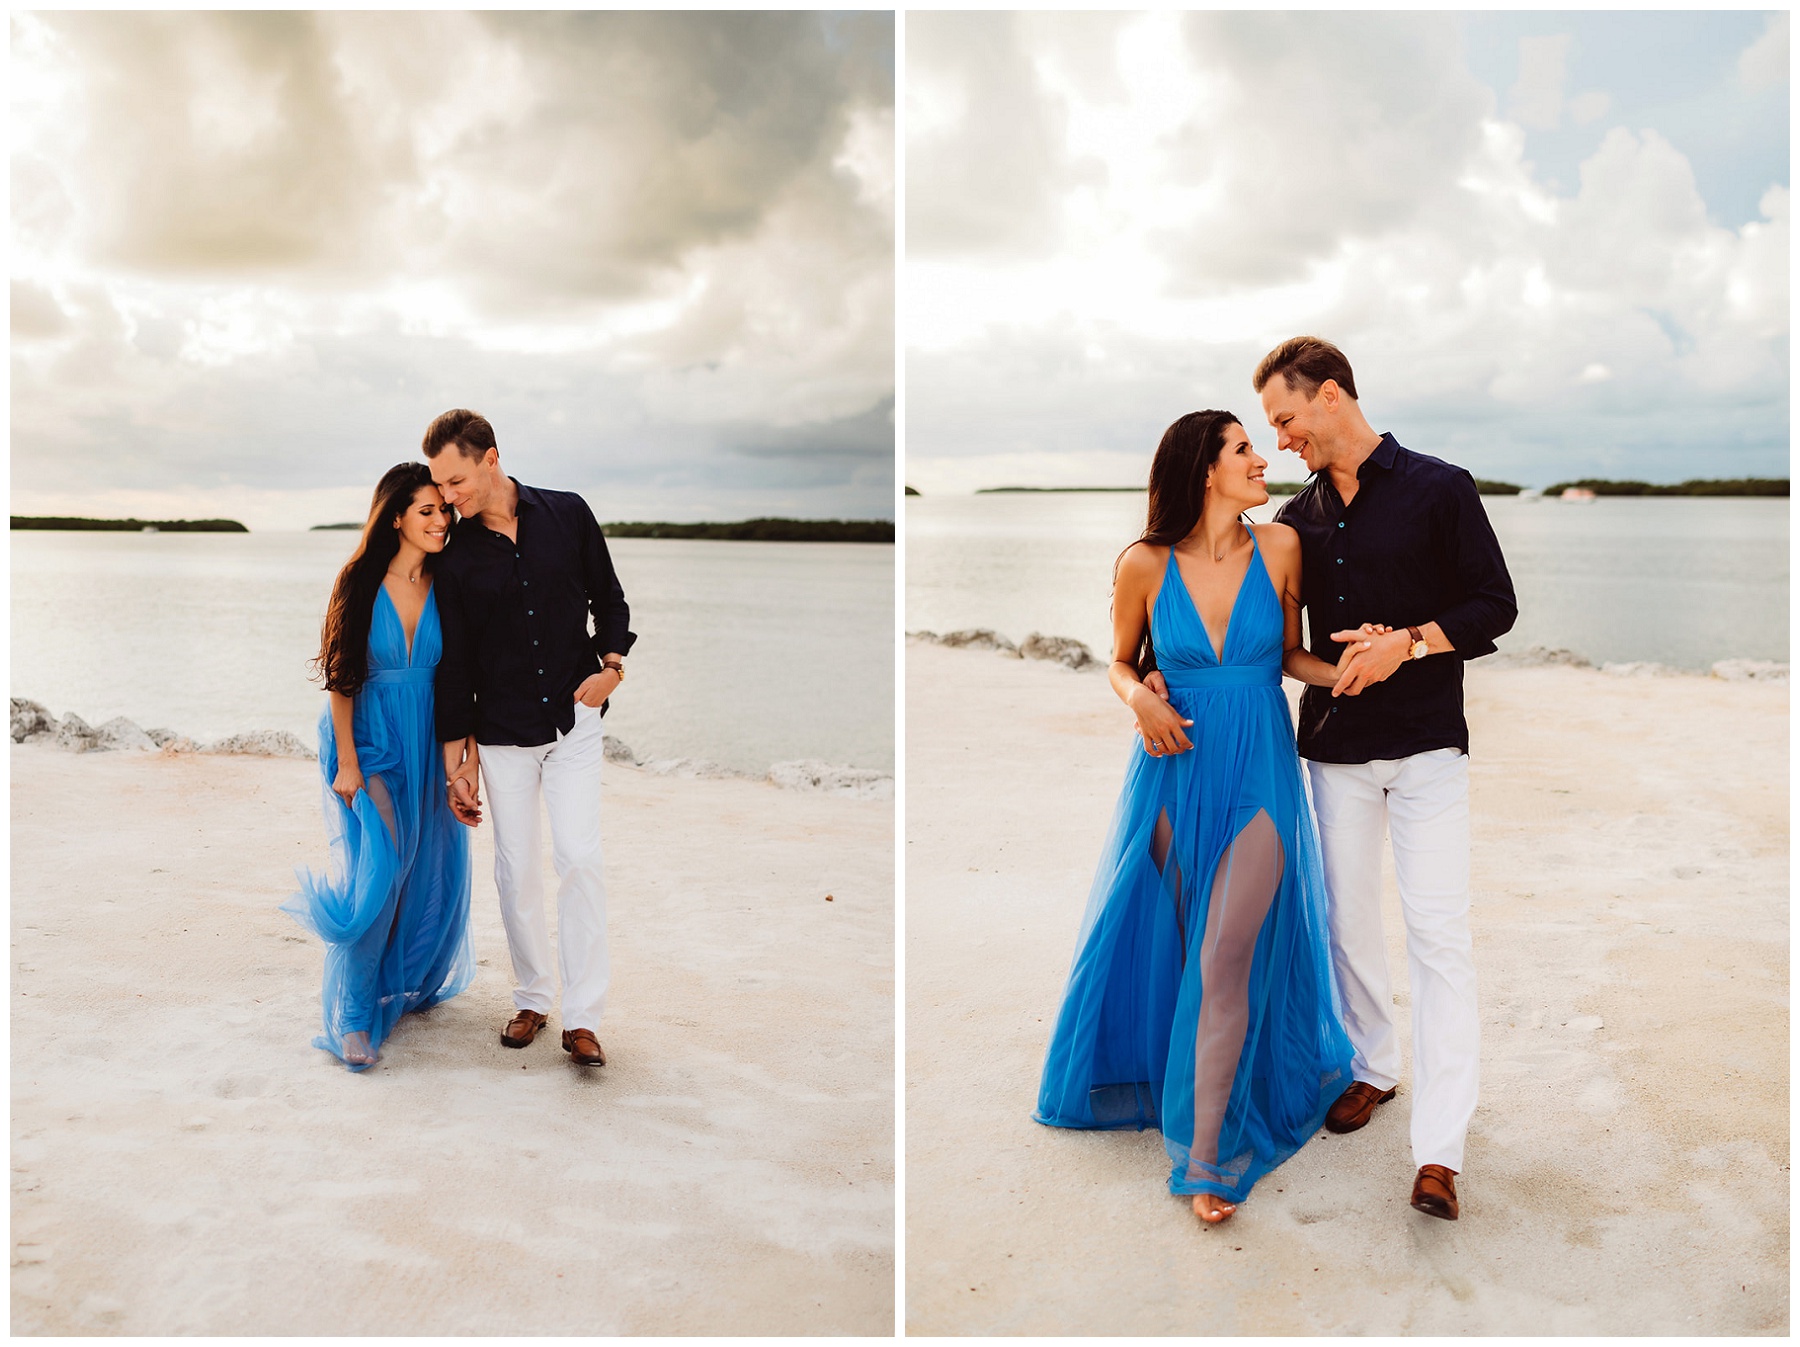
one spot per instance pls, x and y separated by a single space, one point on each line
394 914
1201 999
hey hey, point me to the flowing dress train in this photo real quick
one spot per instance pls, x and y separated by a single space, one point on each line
393 910
1201 1000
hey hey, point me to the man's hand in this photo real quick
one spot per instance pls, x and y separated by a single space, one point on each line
465 797
1159 723
1373 653
596 688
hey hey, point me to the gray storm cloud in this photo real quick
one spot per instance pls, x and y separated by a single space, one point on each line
674 224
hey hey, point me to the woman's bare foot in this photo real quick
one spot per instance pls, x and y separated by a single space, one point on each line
356 1050
1212 1208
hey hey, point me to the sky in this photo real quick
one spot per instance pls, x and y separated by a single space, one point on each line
254 254
1552 245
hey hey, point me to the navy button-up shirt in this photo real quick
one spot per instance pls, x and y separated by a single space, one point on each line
1413 546
515 621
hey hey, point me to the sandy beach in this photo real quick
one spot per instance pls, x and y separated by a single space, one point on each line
184 1162
1627 1170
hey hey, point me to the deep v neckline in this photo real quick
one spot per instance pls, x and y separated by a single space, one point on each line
407 638
1237 598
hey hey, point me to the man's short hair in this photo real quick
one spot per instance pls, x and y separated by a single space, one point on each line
1305 363
468 431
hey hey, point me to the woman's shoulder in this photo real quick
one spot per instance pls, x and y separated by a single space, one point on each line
1142 561
1280 539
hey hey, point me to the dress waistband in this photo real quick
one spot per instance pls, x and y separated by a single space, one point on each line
402 675
1231 676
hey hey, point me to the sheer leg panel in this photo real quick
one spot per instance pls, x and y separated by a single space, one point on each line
1243 891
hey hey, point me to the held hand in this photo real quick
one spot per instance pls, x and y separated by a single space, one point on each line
1157 683
1369 660
1159 723
596 688
465 797
349 781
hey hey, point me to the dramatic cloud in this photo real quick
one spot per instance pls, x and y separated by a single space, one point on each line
1209 184
256 252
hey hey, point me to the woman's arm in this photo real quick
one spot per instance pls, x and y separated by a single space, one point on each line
1281 552
349 773
1159 723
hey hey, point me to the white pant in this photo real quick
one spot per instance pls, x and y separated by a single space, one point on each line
567 773
1422 802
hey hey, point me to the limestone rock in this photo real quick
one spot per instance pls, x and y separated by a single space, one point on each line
262 743
617 751
977 638
1736 671
120 733
1064 650
810 774
30 720
1534 657
75 734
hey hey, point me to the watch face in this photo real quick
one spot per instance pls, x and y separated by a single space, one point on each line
1420 650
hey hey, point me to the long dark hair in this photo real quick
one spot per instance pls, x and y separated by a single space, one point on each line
1187 452
343 659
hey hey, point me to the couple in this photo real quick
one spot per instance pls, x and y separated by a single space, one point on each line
1230 983
457 651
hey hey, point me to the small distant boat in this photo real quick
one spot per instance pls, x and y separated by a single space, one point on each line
149 528
1531 493
1579 495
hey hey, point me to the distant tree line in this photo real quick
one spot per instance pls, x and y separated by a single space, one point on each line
20 521
765 531
1729 486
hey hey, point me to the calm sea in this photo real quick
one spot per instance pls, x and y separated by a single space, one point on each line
1682 581
747 654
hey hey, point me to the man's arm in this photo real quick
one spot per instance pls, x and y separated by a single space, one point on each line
613 637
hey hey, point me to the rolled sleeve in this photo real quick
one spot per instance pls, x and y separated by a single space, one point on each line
606 597
1488 607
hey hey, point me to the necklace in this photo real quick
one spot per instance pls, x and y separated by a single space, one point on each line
1220 554
410 579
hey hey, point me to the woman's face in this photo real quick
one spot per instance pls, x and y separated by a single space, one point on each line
1238 475
426 522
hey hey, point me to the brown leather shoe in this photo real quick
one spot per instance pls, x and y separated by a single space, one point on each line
522 1028
1354 1107
1434 1192
583 1048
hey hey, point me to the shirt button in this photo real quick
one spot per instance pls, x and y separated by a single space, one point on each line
1340 523
543 699
531 612
1340 561
534 642
526 583
540 671
1340 598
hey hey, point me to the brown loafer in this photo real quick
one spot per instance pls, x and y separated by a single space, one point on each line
1434 1192
583 1048
522 1028
1354 1107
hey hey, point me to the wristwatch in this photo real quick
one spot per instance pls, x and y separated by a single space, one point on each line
1419 648
617 668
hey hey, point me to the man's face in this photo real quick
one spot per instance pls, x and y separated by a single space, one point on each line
463 480
1299 420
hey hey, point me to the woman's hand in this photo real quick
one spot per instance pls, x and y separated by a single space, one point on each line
1160 723
349 781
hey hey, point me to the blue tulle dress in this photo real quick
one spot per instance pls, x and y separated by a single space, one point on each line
394 909
1201 1000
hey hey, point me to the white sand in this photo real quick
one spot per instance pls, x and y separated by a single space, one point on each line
185 1162
1627 1171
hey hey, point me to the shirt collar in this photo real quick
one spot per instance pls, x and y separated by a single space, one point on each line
1384 453
528 495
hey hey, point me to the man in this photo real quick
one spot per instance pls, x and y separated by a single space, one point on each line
521 672
1398 540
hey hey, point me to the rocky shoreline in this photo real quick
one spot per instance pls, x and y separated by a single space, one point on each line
1073 654
32 723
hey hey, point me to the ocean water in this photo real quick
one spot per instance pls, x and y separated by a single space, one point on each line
1681 581
747 653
